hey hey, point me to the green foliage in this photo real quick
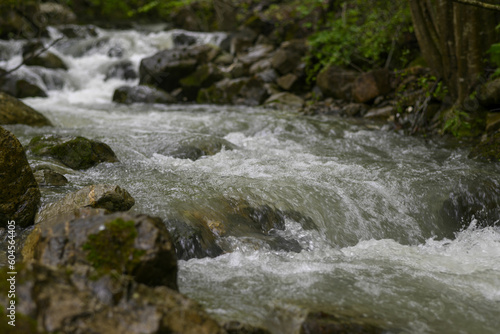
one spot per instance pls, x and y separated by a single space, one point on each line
112 249
457 123
362 34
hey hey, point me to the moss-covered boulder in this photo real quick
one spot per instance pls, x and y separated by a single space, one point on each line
14 111
141 94
19 195
197 147
119 243
488 149
369 85
74 152
73 299
246 91
204 76
47 60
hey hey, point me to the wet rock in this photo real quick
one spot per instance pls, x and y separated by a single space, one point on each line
478 199
47 60
141 94
267 76
195 148
324 323
260 66
16 25
74 152
20 194
73 300
246 91
369 85
224 59
336 82
47 177
204 76
285 61
285 100
287 81
183 39
355 109
488 149
21 87
78 31
102 196
14 111
237 70
121 70
213 229
166 68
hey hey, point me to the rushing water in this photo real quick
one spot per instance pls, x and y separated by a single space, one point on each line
380 247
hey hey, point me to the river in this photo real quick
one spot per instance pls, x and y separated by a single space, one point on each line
380 246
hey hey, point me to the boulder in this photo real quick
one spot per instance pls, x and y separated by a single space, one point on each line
74 300
355 109
141 94
14 111
285 61
488 149
47 177
369 85
267 76
197 147
255 54
246 91
102 196
285 100
20 194
74 152
287 81
488 94
78 31
477 199
20 86
123 69
54 13
203 231
336 82
166 68
204 76
47 60
260 66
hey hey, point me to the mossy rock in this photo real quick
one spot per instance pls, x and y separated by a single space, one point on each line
20 194
197 147
74 152
14 111
487 150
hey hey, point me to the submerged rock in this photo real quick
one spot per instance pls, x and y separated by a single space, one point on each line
47 177
212 230
195 148
123 69
324 323
14 111
74 152
19 195
141 94
73 299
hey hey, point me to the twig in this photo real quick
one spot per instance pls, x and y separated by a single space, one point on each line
480 4
31 57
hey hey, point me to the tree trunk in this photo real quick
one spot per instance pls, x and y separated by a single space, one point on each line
454 38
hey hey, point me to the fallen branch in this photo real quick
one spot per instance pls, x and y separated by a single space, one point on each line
480 4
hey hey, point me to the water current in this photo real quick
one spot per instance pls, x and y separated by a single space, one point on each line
381 246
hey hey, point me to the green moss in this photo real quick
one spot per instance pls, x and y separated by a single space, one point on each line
488 150
112 249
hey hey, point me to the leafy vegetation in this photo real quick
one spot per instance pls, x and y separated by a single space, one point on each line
362 34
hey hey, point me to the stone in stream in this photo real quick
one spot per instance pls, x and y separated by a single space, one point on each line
246 91
204 231
74 152
325 323
76 299
204 76
21 86
123 69
19 194
47 177
141 94
196 147
14 111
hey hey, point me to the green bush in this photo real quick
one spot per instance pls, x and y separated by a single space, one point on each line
361 33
